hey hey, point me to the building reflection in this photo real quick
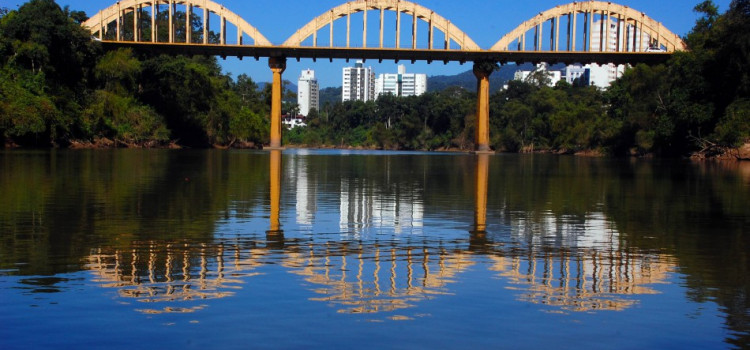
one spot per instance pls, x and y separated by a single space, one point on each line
305 192
362 208
569 264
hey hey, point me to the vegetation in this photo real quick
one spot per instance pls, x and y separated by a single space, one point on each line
58 87
697 102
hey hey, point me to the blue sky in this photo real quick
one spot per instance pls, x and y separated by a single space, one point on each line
485 21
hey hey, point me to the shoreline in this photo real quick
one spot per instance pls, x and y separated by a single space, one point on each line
741 153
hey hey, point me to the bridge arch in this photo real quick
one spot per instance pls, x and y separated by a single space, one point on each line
630 30
99 23
417 12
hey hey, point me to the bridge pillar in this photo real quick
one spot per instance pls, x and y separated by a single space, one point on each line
277 65
482 70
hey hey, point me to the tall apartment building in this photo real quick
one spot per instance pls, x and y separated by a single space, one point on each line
401 84
308 92
613 36
358 83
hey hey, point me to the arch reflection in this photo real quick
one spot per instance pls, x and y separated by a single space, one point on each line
583 280
163 272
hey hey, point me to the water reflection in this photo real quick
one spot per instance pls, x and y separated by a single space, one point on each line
175 232
576 266
584 280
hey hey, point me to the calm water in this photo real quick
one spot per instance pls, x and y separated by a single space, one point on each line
239 249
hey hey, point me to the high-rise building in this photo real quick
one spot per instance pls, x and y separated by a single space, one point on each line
358 83
401 84
612 36
630 38
308 92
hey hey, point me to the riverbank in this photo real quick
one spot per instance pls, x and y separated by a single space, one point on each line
741 153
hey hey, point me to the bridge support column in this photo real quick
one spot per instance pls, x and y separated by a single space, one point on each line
277 65
482 70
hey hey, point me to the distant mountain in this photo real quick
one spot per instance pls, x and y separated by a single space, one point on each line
468 81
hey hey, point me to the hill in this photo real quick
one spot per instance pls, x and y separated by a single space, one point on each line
468 81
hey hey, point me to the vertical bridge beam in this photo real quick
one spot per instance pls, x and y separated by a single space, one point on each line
277 65
154 13
188 25
482 70
171 21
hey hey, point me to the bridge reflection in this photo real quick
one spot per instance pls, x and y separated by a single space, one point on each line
384 275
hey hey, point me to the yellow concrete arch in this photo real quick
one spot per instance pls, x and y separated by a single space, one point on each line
99 21
639 20
399 6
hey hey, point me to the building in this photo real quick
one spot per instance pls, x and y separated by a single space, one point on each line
308 92
541 70
358 83
574 72
613 36
401 84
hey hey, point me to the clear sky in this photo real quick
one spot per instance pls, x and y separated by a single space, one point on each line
485 21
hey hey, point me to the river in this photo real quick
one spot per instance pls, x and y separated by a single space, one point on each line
308 249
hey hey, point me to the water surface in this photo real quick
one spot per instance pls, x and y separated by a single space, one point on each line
338 249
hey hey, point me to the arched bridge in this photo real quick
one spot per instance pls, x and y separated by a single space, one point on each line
611 34
162 25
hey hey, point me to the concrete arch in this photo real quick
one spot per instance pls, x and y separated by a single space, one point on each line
99 21
399 6
637 19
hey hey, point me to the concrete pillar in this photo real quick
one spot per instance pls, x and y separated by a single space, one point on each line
277 65
482 70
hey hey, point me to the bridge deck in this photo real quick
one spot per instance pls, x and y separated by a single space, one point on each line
379 54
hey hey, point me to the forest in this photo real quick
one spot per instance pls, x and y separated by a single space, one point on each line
58 88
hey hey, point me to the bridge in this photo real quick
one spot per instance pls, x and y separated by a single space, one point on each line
586 31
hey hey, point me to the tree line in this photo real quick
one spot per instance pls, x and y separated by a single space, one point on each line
696 102
58 86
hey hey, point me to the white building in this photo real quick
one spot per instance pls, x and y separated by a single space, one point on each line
613 36
553 76
358 83
574 72
308 92
401 84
